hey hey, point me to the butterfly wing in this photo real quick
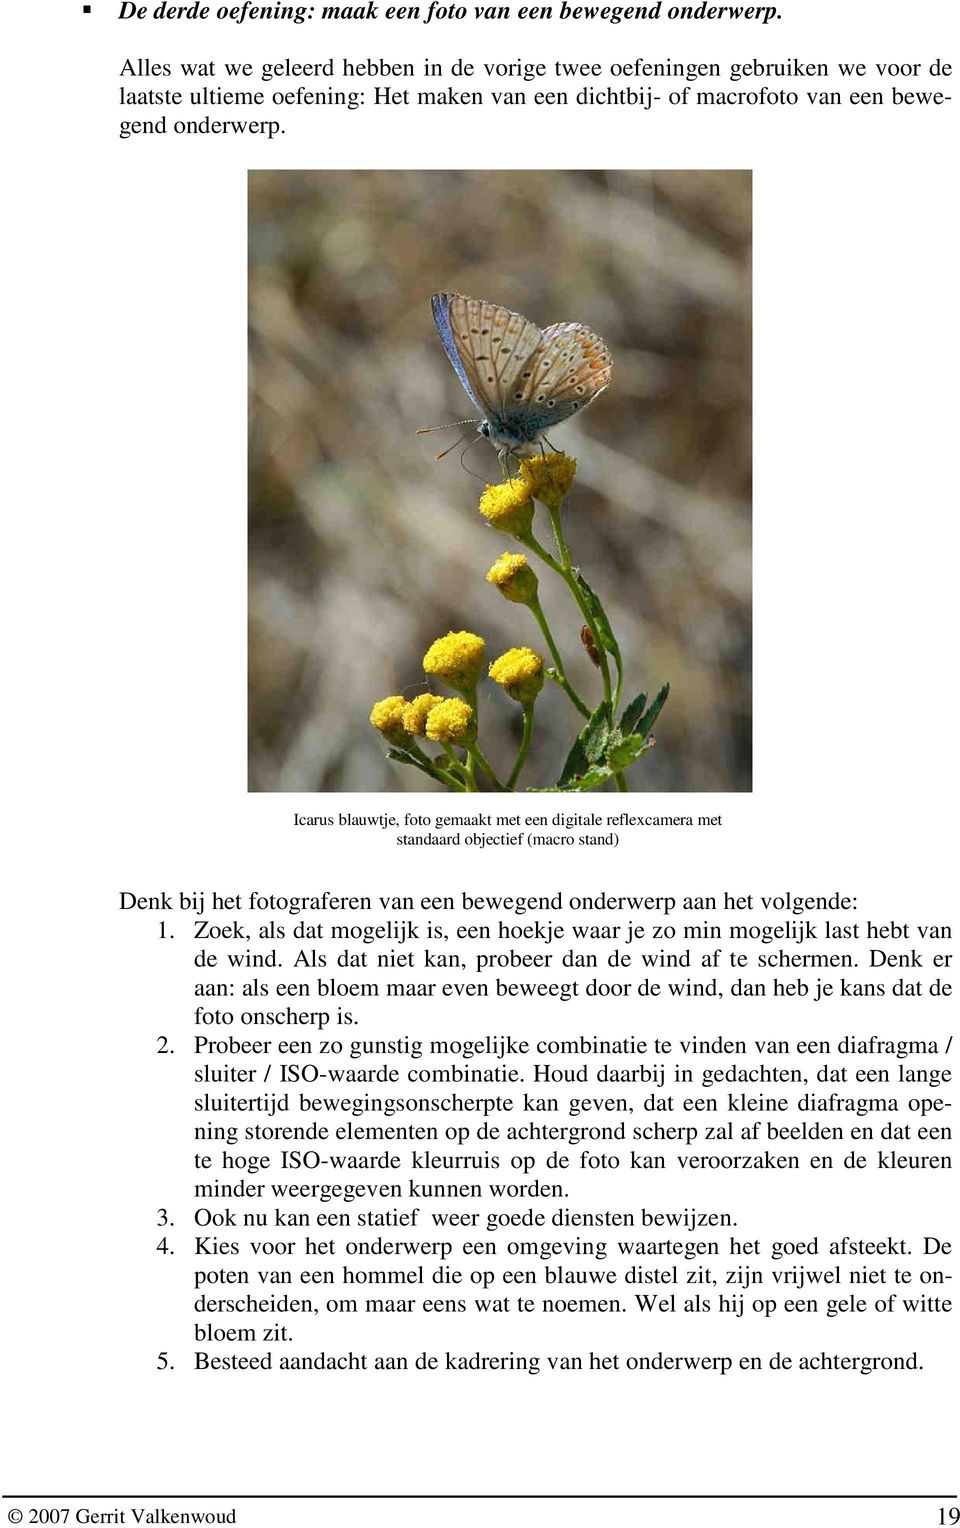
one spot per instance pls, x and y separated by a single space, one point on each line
440 305
570 367
488 347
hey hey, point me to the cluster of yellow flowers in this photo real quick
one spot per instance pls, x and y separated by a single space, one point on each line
509 506
458 659
439 718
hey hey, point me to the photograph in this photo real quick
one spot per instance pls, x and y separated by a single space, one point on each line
500 449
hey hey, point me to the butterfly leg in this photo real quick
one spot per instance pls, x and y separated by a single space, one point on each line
469 447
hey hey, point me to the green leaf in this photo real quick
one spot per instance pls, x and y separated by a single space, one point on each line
632 714
590 746
400 757
626 751
642 728
599 617
585 782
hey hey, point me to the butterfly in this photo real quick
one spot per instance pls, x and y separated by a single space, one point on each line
521 378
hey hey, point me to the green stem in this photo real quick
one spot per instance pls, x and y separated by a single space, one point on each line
565 569
474 751
559 675
531 541
452 782
524 746
435 769
569 578
461 776
470 783
419 760
470 696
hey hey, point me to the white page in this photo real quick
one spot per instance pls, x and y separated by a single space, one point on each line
592 1356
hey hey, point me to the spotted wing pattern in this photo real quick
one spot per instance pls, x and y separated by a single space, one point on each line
487 344
570 368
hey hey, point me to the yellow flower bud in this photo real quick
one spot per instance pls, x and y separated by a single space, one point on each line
508 506
514 577
520 671
416 711
457 659
451 722
548 478
387 717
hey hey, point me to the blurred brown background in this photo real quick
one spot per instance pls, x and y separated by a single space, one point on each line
363 549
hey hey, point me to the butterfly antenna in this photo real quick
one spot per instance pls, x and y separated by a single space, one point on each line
441 454
453 425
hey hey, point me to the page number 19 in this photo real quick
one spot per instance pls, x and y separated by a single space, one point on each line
949 1516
